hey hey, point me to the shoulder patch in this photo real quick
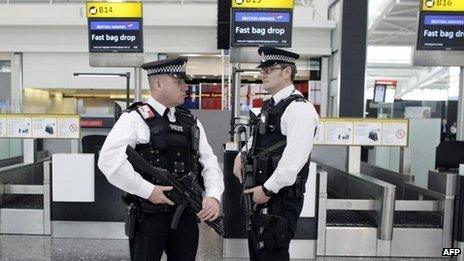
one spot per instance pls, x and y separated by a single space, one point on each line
145 111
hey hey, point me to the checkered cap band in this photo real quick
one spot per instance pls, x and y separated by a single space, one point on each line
177 68
278 57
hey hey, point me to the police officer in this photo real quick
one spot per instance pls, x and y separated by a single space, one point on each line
162 134
280 149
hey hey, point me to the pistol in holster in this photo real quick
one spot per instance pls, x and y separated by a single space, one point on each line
131 219
273 231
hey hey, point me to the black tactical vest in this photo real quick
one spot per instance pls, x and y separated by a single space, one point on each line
269 144
173 145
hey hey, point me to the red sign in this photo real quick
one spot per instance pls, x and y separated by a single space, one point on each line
91 123
387 82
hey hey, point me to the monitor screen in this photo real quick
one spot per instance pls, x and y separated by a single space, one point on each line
261 27
379 93
115 36
440 31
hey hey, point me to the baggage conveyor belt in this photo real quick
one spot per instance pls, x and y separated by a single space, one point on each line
22 201
403 219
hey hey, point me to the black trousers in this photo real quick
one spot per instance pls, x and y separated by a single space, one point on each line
153 236
289 209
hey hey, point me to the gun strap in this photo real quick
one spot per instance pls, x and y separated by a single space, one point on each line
271 148
175 219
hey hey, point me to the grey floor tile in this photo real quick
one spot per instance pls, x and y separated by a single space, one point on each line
38 248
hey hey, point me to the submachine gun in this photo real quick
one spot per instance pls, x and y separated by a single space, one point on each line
185 192
248 180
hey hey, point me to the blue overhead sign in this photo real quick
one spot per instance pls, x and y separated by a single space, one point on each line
114 25
270 17
444 20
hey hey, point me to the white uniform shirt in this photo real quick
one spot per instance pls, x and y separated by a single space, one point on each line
131 129
298 123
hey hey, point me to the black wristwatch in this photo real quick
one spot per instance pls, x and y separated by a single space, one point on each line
267 192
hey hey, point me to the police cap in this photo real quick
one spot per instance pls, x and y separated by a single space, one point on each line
271 56
175 67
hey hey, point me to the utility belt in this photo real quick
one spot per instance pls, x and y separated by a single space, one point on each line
136 206
145 206
265 164
295 191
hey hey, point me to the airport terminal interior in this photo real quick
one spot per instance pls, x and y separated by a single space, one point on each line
386 172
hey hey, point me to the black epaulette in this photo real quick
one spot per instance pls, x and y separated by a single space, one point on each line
186 114
183 110
118 112
294 97
133 106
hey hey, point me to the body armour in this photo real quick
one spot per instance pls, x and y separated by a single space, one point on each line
173 145
269 144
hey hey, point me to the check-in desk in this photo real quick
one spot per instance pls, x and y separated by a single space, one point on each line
423 217
84 204
355 215
379 213
25 196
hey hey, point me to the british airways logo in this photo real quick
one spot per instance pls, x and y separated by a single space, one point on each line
262 17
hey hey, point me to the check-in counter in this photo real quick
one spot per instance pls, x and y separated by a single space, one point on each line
96 211
355 215
11 161
385 213
25 196
423 217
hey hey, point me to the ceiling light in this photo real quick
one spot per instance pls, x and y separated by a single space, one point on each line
104 75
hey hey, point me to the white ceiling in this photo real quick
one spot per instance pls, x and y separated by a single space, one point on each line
393 23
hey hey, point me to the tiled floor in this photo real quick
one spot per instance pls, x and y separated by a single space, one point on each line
35 248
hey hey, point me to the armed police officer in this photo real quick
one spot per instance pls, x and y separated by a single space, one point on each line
280 150
168 137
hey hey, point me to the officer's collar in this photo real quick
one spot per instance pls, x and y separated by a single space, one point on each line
159 108
284 93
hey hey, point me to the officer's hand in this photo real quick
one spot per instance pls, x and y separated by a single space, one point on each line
210 209
157 195
258 195
238 167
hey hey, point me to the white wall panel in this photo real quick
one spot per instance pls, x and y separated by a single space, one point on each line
55 70
43 39
73 177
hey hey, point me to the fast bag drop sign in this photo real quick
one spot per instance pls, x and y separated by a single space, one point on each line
257 27
115 36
